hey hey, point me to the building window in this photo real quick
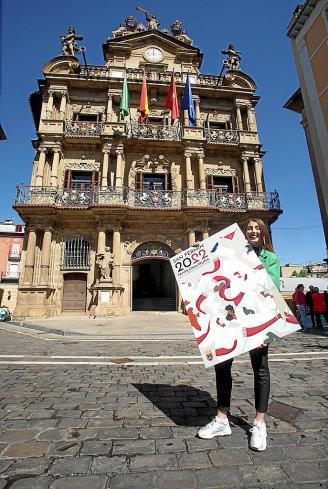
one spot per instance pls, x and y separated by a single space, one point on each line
86 117
19 228
153 181
15 250
13 270
75 253
221 184
81 179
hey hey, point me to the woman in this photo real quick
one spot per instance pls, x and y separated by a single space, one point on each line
258 236
301 306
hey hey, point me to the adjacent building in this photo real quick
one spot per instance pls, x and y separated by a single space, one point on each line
112 195
308 31
11 245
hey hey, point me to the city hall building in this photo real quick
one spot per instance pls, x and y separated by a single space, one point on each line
114 195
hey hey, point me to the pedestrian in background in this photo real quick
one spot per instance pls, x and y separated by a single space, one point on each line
319 306
301 308
257 234
309 303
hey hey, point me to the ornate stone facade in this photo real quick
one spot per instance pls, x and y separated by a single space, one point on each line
144 191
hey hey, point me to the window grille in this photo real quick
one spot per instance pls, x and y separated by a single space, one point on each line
75 253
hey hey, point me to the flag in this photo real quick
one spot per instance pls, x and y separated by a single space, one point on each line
125 104
188 103
144 109
172 100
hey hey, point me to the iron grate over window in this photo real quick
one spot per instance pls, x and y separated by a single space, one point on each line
75 253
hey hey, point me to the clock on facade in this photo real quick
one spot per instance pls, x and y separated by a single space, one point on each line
153 54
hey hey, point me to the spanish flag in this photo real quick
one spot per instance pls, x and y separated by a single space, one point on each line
144 109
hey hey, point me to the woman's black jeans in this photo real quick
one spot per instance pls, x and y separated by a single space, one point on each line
259 359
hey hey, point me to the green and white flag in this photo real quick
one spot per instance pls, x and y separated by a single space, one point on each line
125 104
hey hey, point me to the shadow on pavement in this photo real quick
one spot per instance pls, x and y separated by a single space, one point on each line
185 405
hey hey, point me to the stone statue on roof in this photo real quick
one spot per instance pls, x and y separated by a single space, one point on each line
233 60
69 42
179 32
153 23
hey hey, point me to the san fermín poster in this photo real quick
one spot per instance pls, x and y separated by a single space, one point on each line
232 303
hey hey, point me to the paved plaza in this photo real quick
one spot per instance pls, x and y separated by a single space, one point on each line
119 408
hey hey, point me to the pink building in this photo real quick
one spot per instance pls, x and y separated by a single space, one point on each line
11 244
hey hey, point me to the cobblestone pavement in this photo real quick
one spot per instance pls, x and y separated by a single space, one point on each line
126 416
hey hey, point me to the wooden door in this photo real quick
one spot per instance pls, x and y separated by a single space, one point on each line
75 290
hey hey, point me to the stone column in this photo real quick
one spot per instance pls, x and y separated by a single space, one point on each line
50 104
119 173
117 254
109 106
247 182
40 168
250 117
258 174
101 245
191 236
45 257
63 105
54 172
197 109
104 174
202 178
205 232
30 257
239 120
188 170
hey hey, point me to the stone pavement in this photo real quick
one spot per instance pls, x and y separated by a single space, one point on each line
69 419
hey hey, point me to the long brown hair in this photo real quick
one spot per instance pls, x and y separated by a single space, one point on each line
265 236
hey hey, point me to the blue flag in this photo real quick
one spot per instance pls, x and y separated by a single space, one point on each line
188 103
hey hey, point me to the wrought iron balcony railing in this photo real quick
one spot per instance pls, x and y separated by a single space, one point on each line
84 128
154 132
146 199
221 136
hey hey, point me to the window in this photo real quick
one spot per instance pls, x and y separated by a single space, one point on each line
19 228
77 116
75 253
218 125
153 181
15 250
221 183
13 270
81 179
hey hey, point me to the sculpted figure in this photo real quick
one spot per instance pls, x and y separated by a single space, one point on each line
233 60
105 263
69 42
121 31
153 23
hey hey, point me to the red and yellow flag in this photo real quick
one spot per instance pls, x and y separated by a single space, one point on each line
144 108
172 100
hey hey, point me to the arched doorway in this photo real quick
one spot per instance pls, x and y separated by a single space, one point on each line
75 292
153 282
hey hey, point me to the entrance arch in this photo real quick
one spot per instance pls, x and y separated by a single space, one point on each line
153 282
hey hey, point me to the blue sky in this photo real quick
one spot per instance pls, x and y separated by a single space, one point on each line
31 35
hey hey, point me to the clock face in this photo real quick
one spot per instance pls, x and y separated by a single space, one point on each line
153 54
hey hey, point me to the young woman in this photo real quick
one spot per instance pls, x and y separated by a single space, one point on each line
258 236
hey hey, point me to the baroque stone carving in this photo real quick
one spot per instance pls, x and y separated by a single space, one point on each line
69 42
223 170
233 60
152 249
105 264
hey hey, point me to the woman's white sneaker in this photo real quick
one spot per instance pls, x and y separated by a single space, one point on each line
259 436
216 427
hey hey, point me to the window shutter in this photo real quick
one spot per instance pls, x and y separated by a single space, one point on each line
209 182
95 178
168 181
67 179
139 181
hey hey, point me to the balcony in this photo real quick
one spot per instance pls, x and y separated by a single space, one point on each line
221 136
145 199
84 129
154 132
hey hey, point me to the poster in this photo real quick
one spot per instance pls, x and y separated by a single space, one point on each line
232 303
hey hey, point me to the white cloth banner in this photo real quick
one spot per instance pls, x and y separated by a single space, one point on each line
232 303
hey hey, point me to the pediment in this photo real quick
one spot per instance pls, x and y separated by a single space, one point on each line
239 79
62 64
127 45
